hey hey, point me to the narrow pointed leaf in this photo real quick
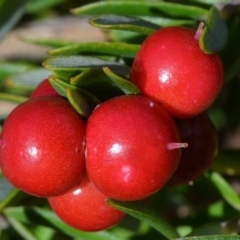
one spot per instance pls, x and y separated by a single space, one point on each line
28 79
215 33
61 87
120 22
225 190
70 63
126 86
142 8
12 98
45 217
141 212
79 102
97 83
21 229
49 42
96 48
10 14
222 228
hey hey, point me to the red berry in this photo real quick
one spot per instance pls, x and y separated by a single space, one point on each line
44 89
171 68
42 151
201 136
85 208
127 140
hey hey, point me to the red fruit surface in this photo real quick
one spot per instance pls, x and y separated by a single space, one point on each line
201 136
85 208
44 89
127 141
171 68
42 150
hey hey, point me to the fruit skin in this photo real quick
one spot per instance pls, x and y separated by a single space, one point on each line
127 155
44 89
202 138
171 68
42 149
85 208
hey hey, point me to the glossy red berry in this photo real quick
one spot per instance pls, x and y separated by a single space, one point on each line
201 136
171 68
44 89
85 208
42 150
129 153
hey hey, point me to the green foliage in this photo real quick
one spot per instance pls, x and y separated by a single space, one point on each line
90 73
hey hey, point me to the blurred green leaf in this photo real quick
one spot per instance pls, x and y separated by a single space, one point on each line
21 229
212 2
71 63
120 22
96 48
214 34
49 42
12 98
45 217
8 68
126 86
225 190
222 228
28 79
10 14
34 6
77 100
143 213
142 8
215 237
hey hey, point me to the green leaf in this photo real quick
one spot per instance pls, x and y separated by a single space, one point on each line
97 83
11 68
71 63
79 102
141 212
28 79
76 95
97 48
45 217
12 98
49 42
212 2
10 14
120 22
225 190
21 229
142 8
222 228
216 237
214 34
125 85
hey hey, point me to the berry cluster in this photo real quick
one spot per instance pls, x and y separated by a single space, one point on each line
129 147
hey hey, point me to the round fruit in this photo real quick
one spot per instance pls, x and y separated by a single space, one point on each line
44 89
42 150
201 136
85 208
129 147
171 68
